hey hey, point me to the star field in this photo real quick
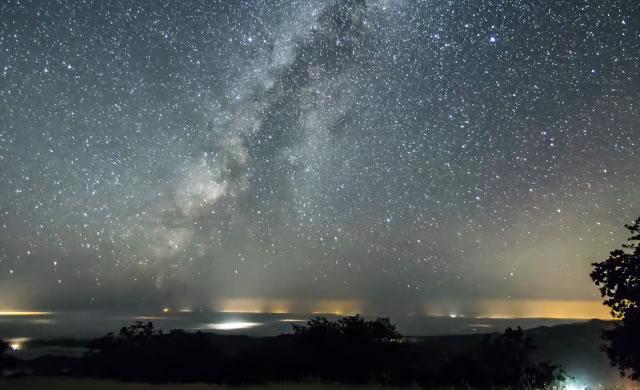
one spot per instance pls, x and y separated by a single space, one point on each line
388 151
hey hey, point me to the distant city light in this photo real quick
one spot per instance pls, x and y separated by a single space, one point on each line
17 343
165 310
233 325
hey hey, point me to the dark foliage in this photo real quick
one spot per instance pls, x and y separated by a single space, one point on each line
6 361
4 346
350 350
618 279
353 329
142 353
623 345
503 361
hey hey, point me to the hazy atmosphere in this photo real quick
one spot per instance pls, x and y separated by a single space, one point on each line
428 157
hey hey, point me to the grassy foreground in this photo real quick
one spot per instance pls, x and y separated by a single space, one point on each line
91 384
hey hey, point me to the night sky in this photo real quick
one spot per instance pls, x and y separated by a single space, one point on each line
160 153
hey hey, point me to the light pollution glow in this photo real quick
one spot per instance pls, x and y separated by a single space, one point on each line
18 313
482 308
287 306
521 308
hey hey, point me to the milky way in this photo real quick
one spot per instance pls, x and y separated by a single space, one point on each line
384 151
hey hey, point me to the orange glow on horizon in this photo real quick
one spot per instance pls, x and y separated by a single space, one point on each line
522 308
18 313
339 307
254 305
288 306
481 308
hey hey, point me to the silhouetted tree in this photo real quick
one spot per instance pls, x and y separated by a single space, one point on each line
6 361
383 330
502 361
140 352
139 329
350 349
618 278
4 347
350 329
317 328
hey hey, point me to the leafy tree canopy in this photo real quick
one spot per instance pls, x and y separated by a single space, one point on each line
618 278
354 328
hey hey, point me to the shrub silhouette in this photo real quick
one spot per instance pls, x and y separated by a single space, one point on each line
4 347
349 350
502 361
318 329
6 361
618 278
143 353
350 329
